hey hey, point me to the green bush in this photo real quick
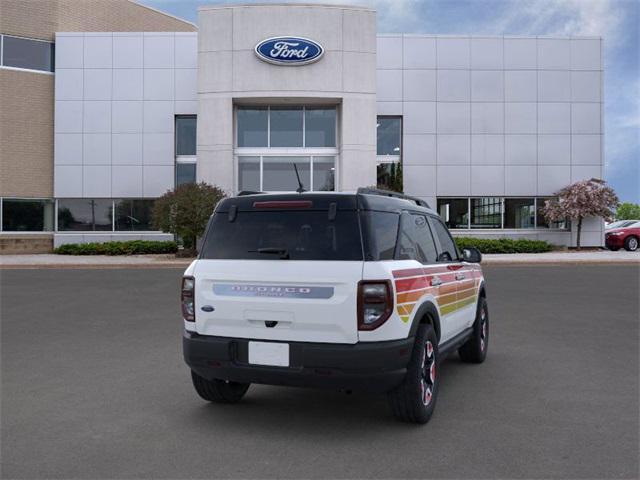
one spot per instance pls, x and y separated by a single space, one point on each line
504 245
132 247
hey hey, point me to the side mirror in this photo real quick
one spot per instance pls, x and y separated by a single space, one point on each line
471 255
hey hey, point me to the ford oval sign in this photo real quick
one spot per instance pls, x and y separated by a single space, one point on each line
289 51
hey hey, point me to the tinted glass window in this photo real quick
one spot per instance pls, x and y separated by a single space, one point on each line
320 127
84 215
542 222
426 245
133 215
279 174
284 235
381 234
324 169
519 213
286 126
186 135
415 241
25 53
27 215
448 250
252 127
249 173
486 212
389 132
185 173
389 176
454 212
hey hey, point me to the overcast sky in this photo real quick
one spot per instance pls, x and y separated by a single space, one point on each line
617 21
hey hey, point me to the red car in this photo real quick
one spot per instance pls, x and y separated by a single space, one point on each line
627 237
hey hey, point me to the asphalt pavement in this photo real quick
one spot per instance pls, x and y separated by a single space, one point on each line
94 386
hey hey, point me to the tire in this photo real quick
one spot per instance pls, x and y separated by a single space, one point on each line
414 400
631 243
219 391
475 349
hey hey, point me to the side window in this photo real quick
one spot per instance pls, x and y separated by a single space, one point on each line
415 241
381 232
448 250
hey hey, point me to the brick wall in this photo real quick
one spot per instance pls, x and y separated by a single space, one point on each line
26 116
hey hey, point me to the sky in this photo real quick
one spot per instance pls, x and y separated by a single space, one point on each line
617 21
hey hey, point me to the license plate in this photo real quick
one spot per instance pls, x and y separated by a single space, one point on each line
269 353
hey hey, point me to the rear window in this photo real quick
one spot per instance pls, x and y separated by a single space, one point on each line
284 235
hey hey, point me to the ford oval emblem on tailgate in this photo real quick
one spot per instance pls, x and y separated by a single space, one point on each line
280 291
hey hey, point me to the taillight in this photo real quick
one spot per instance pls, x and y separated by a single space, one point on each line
375 303
187 299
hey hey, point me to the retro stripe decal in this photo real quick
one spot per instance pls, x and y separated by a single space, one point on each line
451 294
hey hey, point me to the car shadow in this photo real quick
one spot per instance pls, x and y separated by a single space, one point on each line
306 410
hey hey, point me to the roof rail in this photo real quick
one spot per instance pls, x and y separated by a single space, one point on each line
388 193
248 192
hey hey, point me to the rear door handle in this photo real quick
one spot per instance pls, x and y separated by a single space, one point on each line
460 276
436 282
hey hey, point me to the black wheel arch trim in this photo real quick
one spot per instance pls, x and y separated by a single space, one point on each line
427 309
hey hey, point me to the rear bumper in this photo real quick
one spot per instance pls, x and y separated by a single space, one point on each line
373 367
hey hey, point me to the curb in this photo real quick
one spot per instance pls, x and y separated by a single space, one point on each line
93 266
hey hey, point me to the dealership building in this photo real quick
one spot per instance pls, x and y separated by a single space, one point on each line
107 105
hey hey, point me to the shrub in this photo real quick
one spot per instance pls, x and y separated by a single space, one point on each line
132 247
186 211
504 245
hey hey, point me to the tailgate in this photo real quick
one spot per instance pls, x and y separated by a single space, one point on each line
307 301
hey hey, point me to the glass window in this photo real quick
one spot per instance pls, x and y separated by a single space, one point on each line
285 125
186 135
324 169
454 212
389 132
253 124
25 53
320 127
389 176
382 233
519 213
426 245
448 250
486 212
185 173
279 173
542 222
133 215
249 174
84 214
415 240
26 215
297 235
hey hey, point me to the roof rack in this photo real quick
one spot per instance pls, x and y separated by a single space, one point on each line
248 192
388 193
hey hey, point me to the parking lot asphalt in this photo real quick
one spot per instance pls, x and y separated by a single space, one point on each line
94 386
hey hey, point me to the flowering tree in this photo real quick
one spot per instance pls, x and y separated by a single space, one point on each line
185 211
586 198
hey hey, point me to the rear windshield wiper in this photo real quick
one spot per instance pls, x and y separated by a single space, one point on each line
283 252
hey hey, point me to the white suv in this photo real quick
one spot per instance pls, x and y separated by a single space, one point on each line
352 291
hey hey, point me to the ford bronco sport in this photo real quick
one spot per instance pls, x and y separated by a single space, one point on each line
352 291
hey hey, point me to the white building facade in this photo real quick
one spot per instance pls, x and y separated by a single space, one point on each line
483 128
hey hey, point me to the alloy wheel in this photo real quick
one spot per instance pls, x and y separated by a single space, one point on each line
428 373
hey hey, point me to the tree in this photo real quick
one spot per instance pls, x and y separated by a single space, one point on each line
628 211
185 211
586 198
